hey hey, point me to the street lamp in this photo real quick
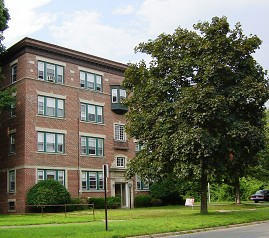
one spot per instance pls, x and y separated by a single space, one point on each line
130 186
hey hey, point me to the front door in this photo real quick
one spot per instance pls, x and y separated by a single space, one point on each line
120 191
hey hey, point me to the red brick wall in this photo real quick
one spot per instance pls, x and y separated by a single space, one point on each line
27 159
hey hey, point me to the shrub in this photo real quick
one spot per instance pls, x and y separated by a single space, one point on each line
48 192
156 202
142 201
112 202
77 207
99 203
166 190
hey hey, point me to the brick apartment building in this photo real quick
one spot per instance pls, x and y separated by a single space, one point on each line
68 120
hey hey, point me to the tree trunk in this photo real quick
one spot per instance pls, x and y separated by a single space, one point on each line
203 209
237 191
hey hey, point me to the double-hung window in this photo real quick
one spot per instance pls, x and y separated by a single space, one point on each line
118 95
91 113
50 142
120 162
91 81
92 180
48 106
44 174
50 72
12 143
11 181
14 73
141 185
13 110
119 132
92 146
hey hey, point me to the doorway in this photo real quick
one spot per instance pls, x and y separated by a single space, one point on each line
120 191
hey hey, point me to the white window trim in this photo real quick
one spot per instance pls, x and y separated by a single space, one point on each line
90 70
48 60
41 129
92 135
125 136
91 102
8 181
40 93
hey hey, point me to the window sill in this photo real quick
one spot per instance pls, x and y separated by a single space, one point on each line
91 90
51 117
91 122
143 190
92 191
50 153
93 156
11 154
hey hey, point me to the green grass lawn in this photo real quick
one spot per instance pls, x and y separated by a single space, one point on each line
124 223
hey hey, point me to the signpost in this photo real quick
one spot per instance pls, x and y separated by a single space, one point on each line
189 202
105 175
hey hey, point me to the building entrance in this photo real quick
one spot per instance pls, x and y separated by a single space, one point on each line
120 191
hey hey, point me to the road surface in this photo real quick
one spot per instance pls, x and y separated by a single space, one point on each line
248 231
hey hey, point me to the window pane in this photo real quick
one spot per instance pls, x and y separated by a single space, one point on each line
114 95
100 147
138 182
101 180
91 112
83 112
40 105
119 132
92 146
50 145
82 79
50 72
40 70
60 109
11 181
13 110
51 174
98 83
50 107
60 141
99 114
40 175
12 143
122 94
92 180
60 74
90 81
40 142
61 177
84 180
120 162
14 73
83 145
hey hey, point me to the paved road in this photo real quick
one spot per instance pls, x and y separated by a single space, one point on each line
249 231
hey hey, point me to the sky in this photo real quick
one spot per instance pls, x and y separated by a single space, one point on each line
112 28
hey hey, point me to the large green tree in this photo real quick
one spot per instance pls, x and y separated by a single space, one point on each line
6 98
197 107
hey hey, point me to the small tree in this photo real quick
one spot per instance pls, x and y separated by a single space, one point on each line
48 192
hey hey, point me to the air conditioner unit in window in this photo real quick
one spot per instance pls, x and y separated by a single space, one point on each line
50 78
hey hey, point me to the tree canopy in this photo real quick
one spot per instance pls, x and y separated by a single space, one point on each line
6 98
198 106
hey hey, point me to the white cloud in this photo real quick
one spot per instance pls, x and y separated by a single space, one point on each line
25 18
86 33
124 10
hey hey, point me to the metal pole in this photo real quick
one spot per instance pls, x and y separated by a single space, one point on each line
209 199
105 185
